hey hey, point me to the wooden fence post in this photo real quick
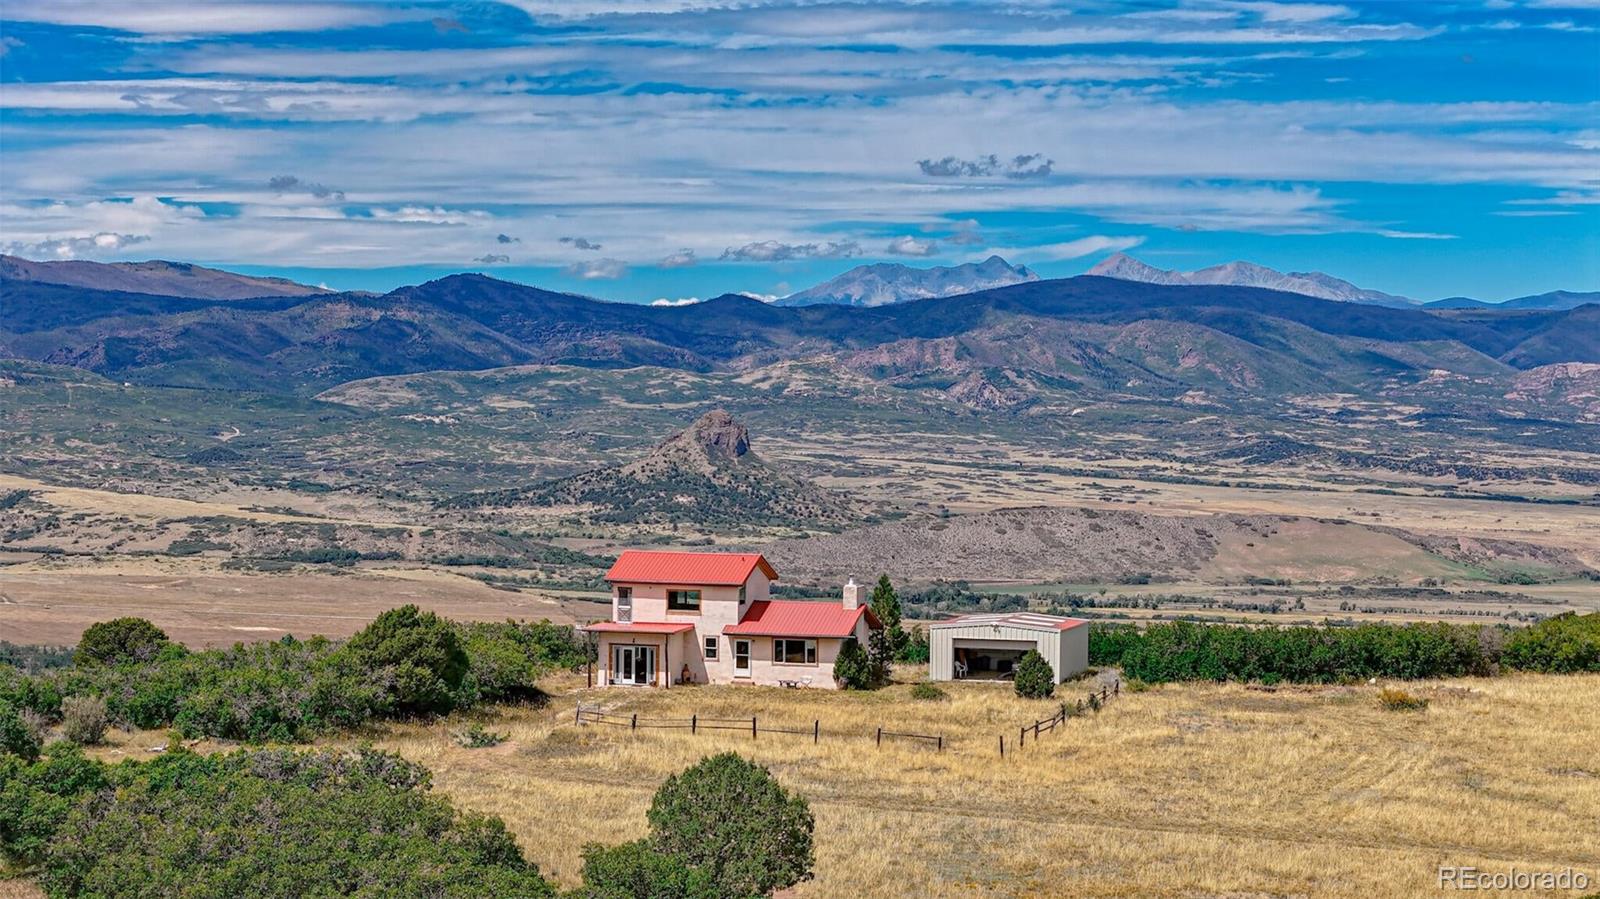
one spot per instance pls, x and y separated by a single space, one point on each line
752 727
635 725
577 715
1022 737
880 738
1002 745
1116 687
694 723
941 743
816 730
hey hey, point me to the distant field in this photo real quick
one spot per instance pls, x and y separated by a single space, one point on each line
212 608
1188 790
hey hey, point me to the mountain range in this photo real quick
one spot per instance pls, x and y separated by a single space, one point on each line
1555 299
889 282
172 279
989 348
1248 274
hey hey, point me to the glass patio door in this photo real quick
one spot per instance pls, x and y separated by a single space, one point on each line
635 665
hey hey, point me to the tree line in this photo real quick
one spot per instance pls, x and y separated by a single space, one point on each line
405 663
287 823
1182 650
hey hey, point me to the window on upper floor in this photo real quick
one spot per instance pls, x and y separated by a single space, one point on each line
741 594
683 600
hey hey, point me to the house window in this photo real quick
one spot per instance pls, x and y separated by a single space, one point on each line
711 649
625 604
741 594
683 600
794 652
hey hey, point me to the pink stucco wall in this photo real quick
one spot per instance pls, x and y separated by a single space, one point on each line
719 608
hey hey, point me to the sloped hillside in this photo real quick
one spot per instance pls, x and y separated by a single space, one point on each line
1068 545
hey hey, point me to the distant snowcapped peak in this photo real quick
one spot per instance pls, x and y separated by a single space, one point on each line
1247 274
883 283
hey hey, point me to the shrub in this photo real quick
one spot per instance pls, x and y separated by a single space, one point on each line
1135 685
506 659
927 691
272 823
36 797
1035 679
1187 651
637 871
1396 700
731 819
416 655
852 667
916 647
476 737
17 737
1565 644
1108 642
83 719
120 641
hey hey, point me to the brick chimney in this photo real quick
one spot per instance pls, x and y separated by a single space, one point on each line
852 596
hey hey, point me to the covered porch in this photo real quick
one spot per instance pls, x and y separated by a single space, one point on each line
638 654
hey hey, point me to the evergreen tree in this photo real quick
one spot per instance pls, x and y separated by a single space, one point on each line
730 819
1035 679
886 606
852 667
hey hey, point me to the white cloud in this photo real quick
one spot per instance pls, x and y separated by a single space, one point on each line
93 245
597 270
209 17
1415 235
777 251
430 215
1072 249
911 246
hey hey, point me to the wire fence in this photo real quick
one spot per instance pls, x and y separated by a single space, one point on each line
1093 701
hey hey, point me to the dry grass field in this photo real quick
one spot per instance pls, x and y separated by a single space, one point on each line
1186 790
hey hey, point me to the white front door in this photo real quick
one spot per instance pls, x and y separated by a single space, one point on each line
634 665
741 658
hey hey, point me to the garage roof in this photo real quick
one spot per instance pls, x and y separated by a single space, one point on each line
1034 621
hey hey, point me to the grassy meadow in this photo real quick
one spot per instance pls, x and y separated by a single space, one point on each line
1185 790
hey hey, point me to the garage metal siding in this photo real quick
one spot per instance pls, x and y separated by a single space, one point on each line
1074 652
941 650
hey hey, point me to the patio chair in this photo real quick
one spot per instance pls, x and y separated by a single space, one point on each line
961 670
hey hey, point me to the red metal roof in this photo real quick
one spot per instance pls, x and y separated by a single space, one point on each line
798 618
687 569
639 627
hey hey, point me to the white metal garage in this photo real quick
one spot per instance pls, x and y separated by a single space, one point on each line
988 647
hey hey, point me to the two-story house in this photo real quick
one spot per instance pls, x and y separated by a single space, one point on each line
687 617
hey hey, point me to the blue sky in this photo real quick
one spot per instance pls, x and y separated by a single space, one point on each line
666 149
